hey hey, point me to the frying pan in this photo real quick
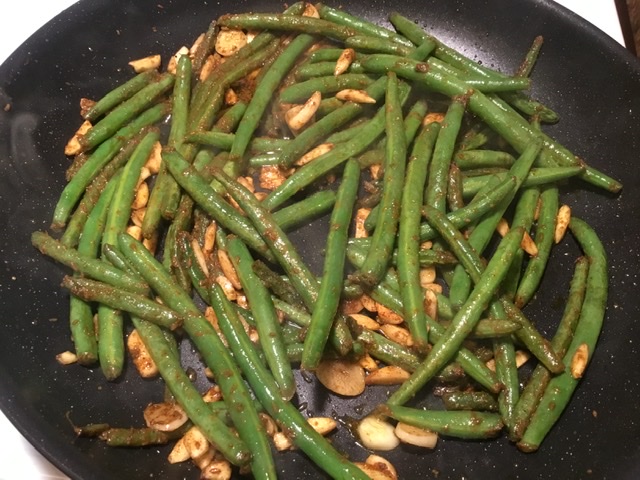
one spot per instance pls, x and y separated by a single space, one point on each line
592 82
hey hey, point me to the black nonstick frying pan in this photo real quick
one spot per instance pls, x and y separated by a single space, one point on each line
591 81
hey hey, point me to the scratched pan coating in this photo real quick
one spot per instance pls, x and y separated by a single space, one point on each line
591 81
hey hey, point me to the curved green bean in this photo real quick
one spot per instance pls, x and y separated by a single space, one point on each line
561 388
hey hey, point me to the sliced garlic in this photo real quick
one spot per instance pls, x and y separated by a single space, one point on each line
387 316
355 96
416 436
179 452
152 62
341 376
141 357
66 358
398 334
389 375
165 416
365 321
229 41
376 434
300 115
563 219
344 61
579 360
218 469
195 442
73 146
322 425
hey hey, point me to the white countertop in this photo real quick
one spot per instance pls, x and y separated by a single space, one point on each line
22 18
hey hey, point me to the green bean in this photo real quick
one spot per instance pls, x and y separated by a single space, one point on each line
98 159
483 231
311 135
186 257
119 116
212 203
561 388
180 98
297 315
324 69
479 206
80 311
218 139
456 59
379 254
328 297
301 91
467 159
461 424
120 209
525 68
207 102
327 54
408 230
476 137
386 350
201 332
182 221
540 376
470 401
303 436
230 119
523 103
311 171
116 298
455 201
286 254
338 118
281 22
435 193
90 267
374 44
91 429
537 176
471 261
120 94
359 25
524 216
205 47
269 331
280 285
504 354
555 153
167 186
464 321
532 339
529 106
536 265
262 96
188 396
135 437
111 350
390 298
115 258
73 231
412 123
494 327
508 124
305 210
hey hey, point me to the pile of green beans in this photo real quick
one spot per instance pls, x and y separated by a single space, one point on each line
448 151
